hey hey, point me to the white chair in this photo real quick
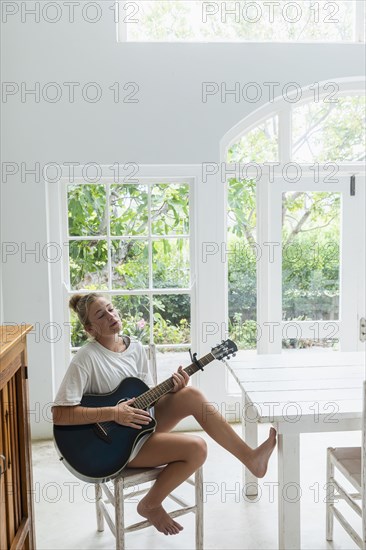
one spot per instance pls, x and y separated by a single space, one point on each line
116 492
351 462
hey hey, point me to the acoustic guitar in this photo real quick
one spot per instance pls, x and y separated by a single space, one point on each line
98 452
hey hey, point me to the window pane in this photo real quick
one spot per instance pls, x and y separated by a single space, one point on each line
242 263
78 334
134 312
130 253
172 319
88 265
258 145
128 210
311 259
195 20
130 264
310 344
169 209
86 210
330 131
170 263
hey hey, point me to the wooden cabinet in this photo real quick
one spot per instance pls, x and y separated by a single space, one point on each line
16 485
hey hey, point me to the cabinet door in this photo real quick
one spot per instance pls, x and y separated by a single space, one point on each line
11 505
9 500
3 528
16 506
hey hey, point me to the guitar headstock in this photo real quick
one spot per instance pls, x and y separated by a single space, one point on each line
225 349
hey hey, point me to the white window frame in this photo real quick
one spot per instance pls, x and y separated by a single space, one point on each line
269 308
352 252
283 108
122 35
203 307
150 291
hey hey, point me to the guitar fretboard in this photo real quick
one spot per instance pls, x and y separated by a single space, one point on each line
145 400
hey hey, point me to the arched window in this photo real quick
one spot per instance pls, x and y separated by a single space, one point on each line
296 228
320 132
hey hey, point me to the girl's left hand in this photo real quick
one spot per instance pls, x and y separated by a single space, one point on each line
180 379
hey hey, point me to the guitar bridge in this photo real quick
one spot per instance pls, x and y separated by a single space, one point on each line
101 432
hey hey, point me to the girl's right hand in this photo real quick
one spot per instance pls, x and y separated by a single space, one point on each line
126 415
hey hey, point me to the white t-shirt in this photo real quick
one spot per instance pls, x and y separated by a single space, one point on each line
96 369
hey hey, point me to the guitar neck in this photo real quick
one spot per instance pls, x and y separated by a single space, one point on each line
145 400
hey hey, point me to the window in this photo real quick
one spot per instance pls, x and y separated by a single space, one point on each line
311 219
259 144
242 258
240 21
132 243
332 131
311 244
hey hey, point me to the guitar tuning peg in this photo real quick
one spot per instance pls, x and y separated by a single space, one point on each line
234 354
228 358
222 341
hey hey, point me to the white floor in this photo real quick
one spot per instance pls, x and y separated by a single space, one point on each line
65 510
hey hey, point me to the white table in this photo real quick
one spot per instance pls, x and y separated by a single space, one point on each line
297 392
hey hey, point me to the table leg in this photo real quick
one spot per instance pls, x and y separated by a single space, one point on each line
289 492
250 436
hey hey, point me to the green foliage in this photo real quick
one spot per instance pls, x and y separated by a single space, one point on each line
242 297
311 224
78 334
128 209
88 259
175 308
88 264
136 327
87 210
244 333
259 145
167 333
170 209
256 21
325 129
332 129
171 263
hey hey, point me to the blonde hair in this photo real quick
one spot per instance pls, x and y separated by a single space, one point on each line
80 303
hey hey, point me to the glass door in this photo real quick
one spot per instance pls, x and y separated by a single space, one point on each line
311 275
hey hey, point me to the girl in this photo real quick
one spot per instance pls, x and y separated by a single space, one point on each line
101 364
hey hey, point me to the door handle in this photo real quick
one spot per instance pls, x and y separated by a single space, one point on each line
363 329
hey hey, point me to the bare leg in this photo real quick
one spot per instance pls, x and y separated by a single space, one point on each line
183 454
174 407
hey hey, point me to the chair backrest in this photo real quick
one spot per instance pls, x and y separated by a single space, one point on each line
151 357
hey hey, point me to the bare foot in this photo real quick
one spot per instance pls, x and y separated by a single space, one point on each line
258 462
159 518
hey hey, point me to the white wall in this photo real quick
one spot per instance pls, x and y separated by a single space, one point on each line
169 125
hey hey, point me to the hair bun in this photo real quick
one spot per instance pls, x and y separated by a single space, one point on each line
74 300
